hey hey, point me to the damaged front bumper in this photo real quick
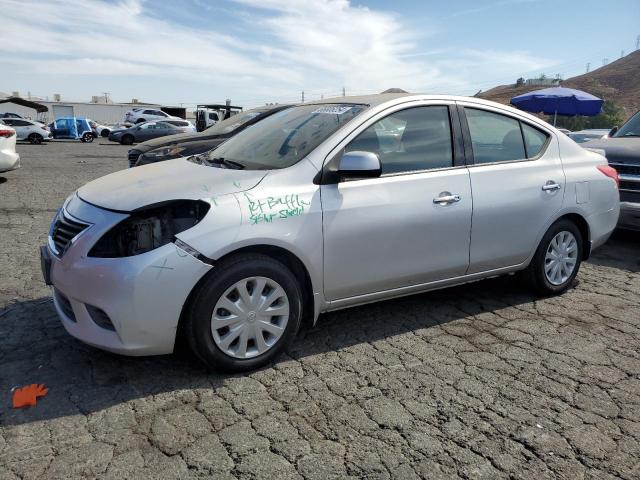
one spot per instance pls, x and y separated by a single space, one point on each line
128 305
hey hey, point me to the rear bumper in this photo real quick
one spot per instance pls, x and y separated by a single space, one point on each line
602 225
629 216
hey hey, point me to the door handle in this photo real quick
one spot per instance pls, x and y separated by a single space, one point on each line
551 186
446 198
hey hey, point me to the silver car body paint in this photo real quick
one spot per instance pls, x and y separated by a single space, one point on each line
360 241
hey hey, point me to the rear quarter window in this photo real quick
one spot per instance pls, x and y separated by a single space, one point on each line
534 140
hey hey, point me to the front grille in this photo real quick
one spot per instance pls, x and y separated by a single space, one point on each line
64 230
626 169
64 304
633 197
624 185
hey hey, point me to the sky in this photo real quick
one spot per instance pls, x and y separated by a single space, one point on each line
184 52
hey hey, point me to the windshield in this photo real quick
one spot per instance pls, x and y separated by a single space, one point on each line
631 128
286 137
233 122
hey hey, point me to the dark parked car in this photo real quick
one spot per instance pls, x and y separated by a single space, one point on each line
622 149
188 144
144 131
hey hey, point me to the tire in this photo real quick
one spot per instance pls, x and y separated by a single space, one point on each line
87 138
140 120
540 272
126 139
208 344
105 133
35 138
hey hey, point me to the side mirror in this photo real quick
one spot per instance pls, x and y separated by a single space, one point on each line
613 131
357 164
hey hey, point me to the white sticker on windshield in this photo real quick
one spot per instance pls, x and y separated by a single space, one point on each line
333 109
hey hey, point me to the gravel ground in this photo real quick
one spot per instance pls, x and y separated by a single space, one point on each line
478 381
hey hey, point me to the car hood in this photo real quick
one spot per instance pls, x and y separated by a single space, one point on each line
128 190
618 150
173 139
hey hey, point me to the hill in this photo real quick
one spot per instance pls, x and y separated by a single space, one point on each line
618 81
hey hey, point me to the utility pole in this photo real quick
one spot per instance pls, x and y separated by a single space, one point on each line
638 42
621 53
343 92
302 96
588 67
605 61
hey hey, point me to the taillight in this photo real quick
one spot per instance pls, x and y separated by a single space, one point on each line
7 133
610 172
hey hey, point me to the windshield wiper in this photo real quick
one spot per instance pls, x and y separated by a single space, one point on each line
203 159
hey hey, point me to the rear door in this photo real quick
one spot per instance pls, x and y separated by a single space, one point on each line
517 182
411 225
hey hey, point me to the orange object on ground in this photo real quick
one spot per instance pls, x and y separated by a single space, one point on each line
26 396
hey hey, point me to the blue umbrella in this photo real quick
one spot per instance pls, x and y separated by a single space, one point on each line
559 101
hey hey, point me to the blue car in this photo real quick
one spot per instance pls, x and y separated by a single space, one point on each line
73 128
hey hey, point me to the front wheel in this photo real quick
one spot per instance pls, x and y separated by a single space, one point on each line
244 314
105 133
557 259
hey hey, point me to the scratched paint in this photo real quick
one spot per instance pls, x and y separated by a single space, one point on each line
268 209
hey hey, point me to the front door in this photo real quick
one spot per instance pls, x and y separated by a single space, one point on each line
518 186
409 226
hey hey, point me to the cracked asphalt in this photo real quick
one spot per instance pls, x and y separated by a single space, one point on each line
478 381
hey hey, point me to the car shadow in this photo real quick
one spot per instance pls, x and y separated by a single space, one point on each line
621 251
35 348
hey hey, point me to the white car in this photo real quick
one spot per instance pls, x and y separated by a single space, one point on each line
99 130
313 209
9 159
30 130
139 115
185 125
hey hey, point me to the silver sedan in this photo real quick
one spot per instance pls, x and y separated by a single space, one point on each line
320 207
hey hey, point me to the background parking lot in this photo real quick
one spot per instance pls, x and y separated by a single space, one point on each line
479 381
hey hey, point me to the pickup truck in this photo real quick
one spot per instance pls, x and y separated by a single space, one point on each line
622 149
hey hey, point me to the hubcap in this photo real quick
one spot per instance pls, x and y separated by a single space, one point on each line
250 317
561 257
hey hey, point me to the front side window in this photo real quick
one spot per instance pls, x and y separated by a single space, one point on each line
494 137
410 140
148 112
284 138
148 126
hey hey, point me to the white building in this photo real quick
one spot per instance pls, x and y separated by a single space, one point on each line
104 113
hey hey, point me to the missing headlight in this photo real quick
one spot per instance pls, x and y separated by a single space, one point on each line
149 228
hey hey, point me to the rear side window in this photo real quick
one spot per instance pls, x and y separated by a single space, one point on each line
410 140
494 137
534 140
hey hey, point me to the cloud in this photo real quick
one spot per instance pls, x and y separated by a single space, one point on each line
283 46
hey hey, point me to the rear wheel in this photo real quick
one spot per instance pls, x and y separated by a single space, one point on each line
105 132
557 259
140 120
126 139
35 138
87 137
244 314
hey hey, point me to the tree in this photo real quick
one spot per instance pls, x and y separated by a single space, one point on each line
610 117
520 82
